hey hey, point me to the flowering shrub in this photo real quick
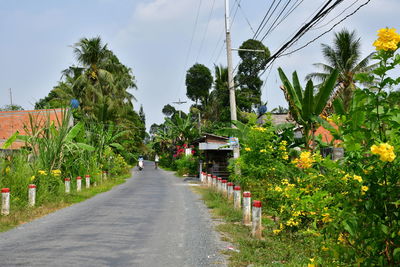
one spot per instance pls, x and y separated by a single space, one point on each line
350 205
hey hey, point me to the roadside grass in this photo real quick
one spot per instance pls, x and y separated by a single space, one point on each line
23 214
274 250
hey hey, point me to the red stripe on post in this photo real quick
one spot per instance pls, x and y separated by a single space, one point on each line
257 204
78 178
5 190
246 194
224 181
237 188
230 184
87 175
67 179
214 177
32 186
219 179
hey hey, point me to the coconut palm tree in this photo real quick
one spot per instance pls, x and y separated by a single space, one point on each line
344 55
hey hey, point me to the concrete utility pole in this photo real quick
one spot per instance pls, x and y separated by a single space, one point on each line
231 84
179 103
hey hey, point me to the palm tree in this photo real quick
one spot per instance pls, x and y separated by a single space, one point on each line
344 56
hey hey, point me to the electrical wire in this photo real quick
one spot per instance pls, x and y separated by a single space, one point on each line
205 32
245 17
262 21
276 19
190 47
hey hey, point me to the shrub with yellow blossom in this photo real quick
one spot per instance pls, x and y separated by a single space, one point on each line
388 40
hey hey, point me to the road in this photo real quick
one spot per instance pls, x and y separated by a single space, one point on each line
154 219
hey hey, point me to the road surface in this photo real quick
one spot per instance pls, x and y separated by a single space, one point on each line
153 219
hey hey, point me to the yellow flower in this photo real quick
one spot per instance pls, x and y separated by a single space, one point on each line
263 151
56 172
388 40
385 151
312 213
247 149
33 178
284 142
42 172
346 177
276 231
278 189
341 238
285 156
312 259
324 248
364 189
7 170
305 160
357 178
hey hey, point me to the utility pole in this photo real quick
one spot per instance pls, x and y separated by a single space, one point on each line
179 103
11 98
231 84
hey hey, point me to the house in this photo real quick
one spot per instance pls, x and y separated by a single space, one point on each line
216 151
21 121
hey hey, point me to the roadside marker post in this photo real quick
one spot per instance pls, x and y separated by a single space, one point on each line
5 201
256 229
224 188
87 178
214 181
230 191
219 185
246 208
209 180
31 195
67 183
237 197
78 184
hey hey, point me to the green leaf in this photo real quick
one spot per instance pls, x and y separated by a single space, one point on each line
10 140
324 92
308 101
289 89
297 86
85 147
338 106
74 132
350 226
117 146
396 253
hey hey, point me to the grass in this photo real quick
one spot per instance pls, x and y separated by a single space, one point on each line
274 250
21 215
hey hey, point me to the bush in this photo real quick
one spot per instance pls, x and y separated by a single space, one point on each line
186 165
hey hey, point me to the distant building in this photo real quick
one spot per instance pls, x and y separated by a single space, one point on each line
20 120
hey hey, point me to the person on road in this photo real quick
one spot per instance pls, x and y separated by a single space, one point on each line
140 163
156 159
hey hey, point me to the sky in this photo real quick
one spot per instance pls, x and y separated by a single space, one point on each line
160 40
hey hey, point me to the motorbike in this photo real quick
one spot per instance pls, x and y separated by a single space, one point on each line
140 165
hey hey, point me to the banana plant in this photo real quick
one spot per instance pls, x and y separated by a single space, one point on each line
304 105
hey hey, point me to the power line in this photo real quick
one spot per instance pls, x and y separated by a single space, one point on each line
262 21
245 17
205 32
322 34
276 19
341 13
190 46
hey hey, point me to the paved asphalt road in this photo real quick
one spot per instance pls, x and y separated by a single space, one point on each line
153 219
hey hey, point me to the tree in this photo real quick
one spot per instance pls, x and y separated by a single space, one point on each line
168 110
344 56
304 106
142 115
198 83
249 92
11 107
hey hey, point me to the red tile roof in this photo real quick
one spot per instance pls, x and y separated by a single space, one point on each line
12 121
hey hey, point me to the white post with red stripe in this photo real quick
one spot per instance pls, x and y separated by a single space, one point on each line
31 195
230 191
224 188
78 184
209 180
256 229
219 184
67 183
237 197
104 175
5 201
87 179
246 208
214 181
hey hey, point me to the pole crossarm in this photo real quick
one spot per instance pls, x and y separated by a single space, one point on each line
249 50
